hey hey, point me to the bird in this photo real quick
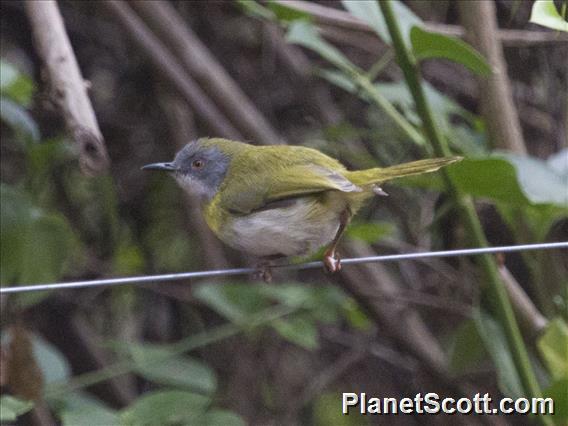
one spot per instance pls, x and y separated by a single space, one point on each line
279 201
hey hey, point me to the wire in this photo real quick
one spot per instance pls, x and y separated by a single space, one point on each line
301 266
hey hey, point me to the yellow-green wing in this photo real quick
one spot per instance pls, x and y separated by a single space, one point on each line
254 191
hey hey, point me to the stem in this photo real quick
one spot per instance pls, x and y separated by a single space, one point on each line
497 291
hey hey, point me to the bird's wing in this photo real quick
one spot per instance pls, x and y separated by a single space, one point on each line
254 193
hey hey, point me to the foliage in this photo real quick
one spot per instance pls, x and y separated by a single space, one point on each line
544 13
173 342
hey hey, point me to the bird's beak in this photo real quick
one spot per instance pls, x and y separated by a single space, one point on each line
165 167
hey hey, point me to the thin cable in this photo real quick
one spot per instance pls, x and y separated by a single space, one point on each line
301 266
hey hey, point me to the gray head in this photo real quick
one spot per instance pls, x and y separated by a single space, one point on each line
199 168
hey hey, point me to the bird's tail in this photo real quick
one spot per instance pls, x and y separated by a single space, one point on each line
379 175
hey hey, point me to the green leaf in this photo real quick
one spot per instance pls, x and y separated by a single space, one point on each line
300 329
256 10
285 13
369 12
544 13
156 364
504 177
11 408
165 408
427 45
19 120
54 366
15 85
495 342
553 347
370 232
305 34
83 410
236 302
35 245
467 349
557 391
540 182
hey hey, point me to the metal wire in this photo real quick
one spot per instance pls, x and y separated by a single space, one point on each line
310 265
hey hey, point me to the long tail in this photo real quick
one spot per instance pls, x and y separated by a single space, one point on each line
378 175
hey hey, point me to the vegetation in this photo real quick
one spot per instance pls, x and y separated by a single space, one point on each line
370 83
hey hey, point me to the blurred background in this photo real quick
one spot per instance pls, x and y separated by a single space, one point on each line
232 350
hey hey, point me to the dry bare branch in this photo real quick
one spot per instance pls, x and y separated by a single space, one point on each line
497 105
170 68
67 86
198 61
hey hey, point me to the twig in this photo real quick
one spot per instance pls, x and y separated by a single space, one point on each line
68 88
167 64
531 320
495 91
165 21
343 19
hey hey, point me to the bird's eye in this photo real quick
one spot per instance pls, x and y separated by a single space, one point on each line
198 164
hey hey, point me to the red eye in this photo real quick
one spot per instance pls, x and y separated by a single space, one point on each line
198 164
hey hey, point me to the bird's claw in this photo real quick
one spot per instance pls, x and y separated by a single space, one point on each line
263 272
332 262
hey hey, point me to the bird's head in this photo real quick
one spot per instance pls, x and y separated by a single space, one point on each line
200 166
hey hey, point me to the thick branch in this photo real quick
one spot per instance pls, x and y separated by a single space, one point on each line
67 85
169 67
479 18
165 21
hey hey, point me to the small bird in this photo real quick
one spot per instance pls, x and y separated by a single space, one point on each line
281 200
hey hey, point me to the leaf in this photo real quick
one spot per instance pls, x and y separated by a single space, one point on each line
15 85
496 345
504 177
236 302
467 349
369 12
371 232
53 364
285 13
305 34
553 347
11 408
540 182
165 407
544 13
427 45
155 363
557 391
19 120
35 245
299 329
83 410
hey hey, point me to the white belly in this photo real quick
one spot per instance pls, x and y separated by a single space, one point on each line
290 231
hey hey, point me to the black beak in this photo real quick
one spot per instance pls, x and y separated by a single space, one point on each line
165 167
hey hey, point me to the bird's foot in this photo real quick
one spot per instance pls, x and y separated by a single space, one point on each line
332 262
263 272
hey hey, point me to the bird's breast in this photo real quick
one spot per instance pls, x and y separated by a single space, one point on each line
299 227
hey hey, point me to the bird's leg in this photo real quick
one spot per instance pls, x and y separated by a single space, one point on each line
331 260
264 271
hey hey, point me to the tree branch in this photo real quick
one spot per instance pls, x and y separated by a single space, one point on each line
197 60
169 67
68 88
479 18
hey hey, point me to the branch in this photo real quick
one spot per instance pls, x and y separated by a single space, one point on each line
197 60
68 88
343 19
169 67
479 17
